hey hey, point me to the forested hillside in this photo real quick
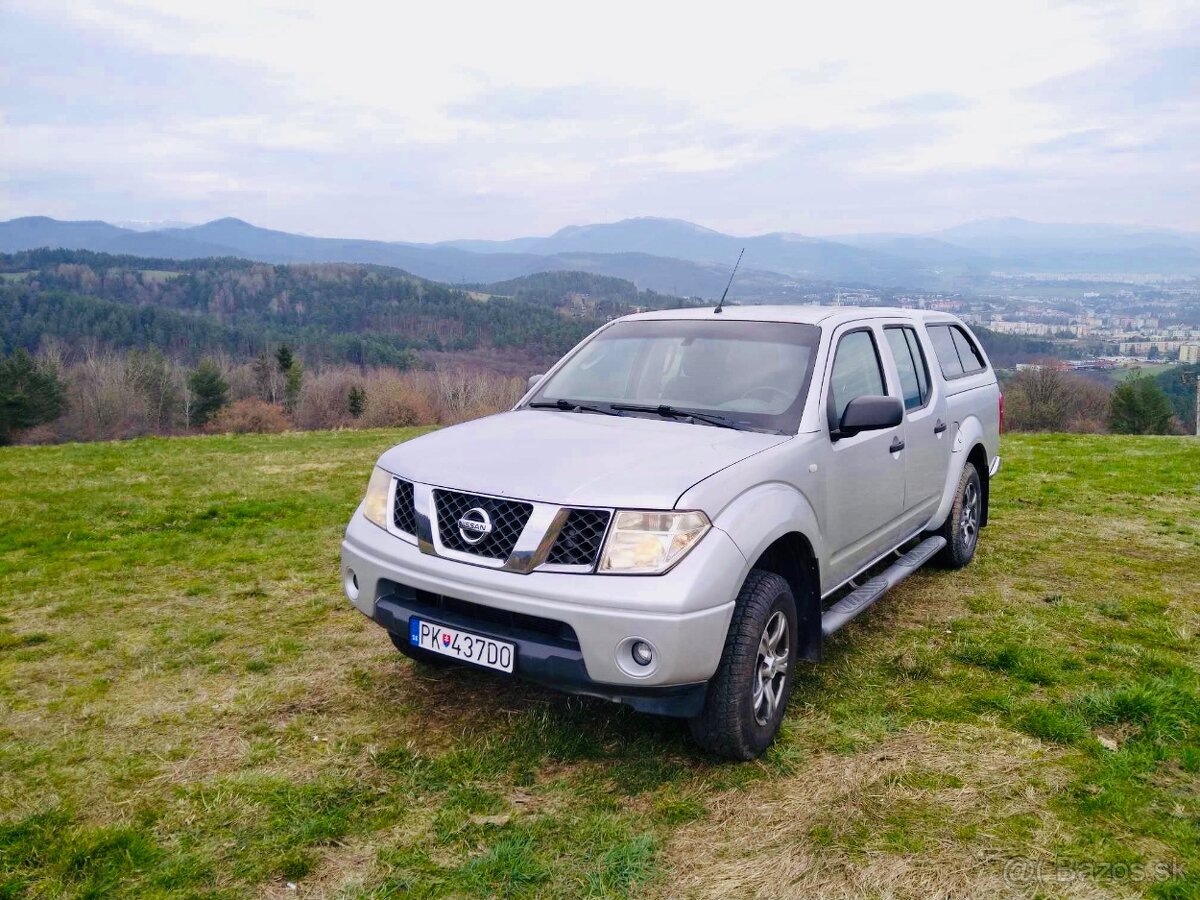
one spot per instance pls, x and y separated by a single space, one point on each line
336 312
135 345
581 292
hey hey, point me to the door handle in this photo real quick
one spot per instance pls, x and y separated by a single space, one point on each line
939 427
897 446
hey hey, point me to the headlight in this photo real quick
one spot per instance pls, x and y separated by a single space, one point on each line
647 543
375 503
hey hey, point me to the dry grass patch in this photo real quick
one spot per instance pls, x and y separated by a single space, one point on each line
344 869
933 812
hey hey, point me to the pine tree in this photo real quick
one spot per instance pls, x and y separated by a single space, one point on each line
1139 406
285 358
356 402
30 394
295 379
209 390
293 373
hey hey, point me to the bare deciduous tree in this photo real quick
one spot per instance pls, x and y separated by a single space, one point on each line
1049 397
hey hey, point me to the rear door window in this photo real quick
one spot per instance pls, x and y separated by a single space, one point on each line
947 353
972 360
956 352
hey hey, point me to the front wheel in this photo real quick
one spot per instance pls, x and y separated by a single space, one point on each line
961 529
749 692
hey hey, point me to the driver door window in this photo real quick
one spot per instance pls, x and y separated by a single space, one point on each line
857 372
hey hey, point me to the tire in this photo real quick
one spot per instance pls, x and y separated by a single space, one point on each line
737 722
425 657
961 528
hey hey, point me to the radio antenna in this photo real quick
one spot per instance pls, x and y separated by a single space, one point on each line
721 302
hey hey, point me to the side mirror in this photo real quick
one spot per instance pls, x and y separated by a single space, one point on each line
870 413
533 381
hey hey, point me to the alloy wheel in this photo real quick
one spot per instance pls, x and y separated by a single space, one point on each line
770 671
968 523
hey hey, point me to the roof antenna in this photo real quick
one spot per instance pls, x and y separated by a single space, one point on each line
721 302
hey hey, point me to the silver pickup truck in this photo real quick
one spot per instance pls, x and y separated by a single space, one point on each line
686 505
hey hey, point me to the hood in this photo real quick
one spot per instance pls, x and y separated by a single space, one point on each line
573 458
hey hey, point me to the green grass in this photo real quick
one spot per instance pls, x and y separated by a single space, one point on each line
188 705
1150 369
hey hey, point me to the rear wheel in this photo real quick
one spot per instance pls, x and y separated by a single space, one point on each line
426 657
961 529
749 692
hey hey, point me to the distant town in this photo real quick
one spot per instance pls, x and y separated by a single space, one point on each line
1108 325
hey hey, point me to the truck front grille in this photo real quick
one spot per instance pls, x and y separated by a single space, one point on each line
403 515
507 517
579 541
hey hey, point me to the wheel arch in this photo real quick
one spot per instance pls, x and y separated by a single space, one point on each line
775 527
791 557
978 458
968 447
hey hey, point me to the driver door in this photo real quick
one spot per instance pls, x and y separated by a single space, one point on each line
864 499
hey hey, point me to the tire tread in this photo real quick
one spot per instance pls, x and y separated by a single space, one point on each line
954 555
720 728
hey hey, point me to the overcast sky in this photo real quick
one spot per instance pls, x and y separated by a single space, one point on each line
426 121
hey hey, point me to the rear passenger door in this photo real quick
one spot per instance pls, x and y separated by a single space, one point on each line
865 473
927 431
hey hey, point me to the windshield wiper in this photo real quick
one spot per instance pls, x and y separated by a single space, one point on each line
672 412
572 406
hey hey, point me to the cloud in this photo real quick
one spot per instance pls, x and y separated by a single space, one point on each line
1137 80
572 103
930 103
447 120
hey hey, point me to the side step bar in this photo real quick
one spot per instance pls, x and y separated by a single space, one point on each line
840 614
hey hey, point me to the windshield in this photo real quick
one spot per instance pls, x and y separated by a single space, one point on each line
751 372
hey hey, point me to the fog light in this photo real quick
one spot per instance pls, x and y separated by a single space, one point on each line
350 584
642 653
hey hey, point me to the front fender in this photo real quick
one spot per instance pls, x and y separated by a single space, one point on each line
765 513
761 517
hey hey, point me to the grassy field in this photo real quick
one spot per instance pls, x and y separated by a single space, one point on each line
1149 369
188 706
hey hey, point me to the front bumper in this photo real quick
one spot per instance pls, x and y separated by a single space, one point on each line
543 658
684 614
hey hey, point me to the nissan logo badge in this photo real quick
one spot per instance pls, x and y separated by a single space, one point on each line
475 525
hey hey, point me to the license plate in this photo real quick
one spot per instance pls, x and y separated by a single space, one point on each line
461 645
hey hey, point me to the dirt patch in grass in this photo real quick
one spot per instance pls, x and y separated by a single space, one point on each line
930 813
343 870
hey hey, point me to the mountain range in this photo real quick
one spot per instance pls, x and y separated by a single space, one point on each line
670 255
